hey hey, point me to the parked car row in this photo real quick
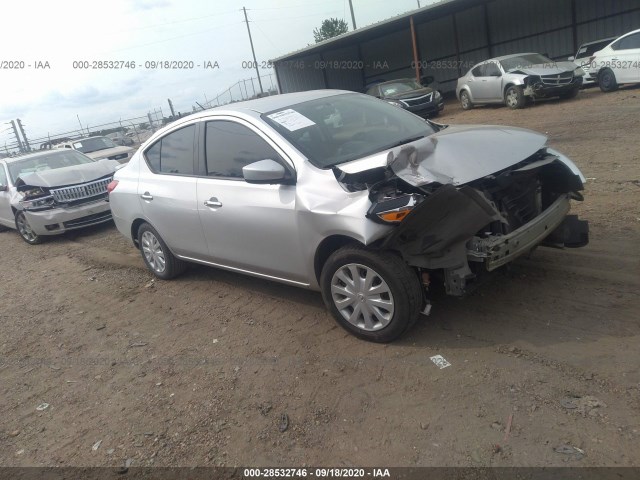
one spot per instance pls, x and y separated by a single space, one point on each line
99 147
514 79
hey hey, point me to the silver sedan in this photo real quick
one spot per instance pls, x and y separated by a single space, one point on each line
513 79
343 193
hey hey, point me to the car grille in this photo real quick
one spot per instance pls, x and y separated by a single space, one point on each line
81 192
88 220
562 79
412 102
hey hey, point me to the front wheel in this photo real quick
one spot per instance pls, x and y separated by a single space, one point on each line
514 97
607 80
157 256
373 295
465 100
25 230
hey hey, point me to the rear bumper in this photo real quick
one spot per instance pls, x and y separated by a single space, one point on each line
498 251
60 220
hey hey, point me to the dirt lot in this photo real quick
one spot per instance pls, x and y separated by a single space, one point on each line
199 371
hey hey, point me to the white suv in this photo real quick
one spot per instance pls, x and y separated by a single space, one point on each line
617 63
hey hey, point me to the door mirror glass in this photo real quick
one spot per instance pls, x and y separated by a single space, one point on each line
571 59
264 171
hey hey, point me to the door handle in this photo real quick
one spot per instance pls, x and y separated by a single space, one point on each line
146 196
213 202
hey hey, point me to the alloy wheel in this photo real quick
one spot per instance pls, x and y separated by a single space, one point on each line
24 228
153 253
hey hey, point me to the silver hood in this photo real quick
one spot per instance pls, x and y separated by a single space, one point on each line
546 69
60 177
455 155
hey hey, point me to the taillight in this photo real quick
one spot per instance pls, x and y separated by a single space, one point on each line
112 185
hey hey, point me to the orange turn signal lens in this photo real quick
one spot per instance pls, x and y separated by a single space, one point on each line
395 216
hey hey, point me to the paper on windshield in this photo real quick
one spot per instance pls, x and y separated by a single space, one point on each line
291 120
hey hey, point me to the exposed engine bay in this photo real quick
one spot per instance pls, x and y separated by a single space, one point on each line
464 229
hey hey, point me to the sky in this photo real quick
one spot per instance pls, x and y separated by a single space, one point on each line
59 36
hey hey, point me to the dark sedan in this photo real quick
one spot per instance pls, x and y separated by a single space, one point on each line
408 94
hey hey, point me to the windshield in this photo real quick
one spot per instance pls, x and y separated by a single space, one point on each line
51 161
401 86
588 50
334 130
89 145
524 61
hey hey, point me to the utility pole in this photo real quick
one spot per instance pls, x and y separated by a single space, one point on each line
15 133
173 114
24 136
353 17
255 63
418 3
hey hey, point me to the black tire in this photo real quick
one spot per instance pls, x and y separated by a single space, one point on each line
24 229
514 97
465 100
573 93
607 80
156 253
392 283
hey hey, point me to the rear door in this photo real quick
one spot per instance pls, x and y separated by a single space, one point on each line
487 82
167 191
248 227
625 59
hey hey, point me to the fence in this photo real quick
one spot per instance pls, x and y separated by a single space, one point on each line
140 128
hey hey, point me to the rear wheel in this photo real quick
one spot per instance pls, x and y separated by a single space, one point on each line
157 256
514 97
373 295
465 100
607 80
25 231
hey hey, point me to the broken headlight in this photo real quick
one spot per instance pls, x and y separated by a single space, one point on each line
392 210
37 199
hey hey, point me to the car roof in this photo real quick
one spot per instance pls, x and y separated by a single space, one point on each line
41 153
608 39
505 57
268 104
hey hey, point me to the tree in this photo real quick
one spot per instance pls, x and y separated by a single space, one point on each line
331 27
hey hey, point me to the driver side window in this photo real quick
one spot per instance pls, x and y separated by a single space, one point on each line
229 146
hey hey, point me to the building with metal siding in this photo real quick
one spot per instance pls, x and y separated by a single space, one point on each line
450 37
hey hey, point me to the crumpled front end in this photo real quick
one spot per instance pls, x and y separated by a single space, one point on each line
54 210
461 229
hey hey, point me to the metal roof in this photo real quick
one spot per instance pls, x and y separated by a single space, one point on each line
439 9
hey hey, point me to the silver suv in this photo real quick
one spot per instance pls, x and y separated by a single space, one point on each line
344 193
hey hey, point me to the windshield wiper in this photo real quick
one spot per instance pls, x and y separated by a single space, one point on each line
402 142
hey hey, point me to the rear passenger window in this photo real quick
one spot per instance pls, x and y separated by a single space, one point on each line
173 153
230 146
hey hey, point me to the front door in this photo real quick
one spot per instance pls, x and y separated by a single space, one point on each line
247 226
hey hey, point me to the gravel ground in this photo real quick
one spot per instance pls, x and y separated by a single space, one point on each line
100 364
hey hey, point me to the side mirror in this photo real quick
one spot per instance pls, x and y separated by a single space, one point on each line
3 188
264 171
571 59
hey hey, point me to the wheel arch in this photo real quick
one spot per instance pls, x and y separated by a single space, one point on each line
327 247
135 227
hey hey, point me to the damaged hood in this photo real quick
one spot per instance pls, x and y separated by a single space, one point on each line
545 69
455 155
61 177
